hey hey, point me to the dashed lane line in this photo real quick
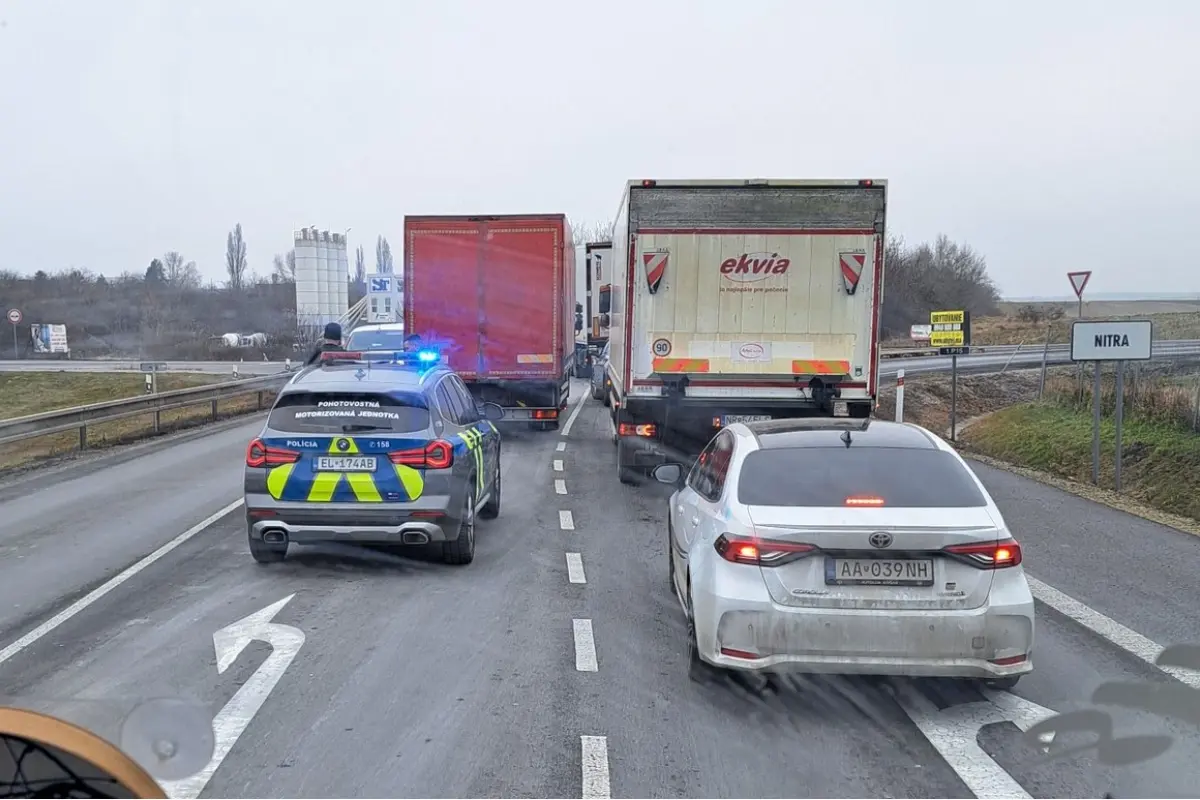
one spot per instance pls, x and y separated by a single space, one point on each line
566 520
558 465
585 646
575 568
594 752
560 486
99 592
561 446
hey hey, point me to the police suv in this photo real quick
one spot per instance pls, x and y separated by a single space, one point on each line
378 448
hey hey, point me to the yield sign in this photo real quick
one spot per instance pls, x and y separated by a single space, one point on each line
1078 281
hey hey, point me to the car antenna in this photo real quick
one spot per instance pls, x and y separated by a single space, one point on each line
846 437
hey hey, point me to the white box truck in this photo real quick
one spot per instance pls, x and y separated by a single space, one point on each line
742 300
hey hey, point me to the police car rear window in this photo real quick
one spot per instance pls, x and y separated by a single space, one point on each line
346 412
376 340
822 477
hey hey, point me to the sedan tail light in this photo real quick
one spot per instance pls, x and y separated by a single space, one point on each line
987 555
260 454
438 454
760 552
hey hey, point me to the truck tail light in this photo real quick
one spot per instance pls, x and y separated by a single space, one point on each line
645 430
438 454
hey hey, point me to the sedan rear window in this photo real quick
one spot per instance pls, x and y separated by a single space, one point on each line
822 477
338 412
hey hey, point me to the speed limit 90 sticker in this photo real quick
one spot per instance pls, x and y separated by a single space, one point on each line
661 347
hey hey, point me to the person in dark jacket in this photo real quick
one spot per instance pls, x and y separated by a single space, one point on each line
330 342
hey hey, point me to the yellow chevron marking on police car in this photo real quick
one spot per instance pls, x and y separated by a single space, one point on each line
411 480
277 479
323 486
363 486
474 439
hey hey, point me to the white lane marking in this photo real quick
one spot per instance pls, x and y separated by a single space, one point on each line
1125 638
595 767
571 420
585 646
561 446
232 720
99 592
954 733
560 486
566 520
575 568
558 465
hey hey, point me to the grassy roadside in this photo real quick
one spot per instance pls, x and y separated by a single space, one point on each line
1160 467
27 393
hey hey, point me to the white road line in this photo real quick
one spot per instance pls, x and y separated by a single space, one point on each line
561 446
585 646
566 520
1125 638
560 486
558 465
566 431
94 595
595 767
575 568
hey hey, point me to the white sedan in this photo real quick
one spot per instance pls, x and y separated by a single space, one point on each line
845 546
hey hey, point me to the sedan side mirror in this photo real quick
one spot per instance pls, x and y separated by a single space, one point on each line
492 412
671 474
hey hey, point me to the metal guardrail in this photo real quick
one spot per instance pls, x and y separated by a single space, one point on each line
80 417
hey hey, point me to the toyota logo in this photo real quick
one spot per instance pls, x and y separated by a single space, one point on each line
880 539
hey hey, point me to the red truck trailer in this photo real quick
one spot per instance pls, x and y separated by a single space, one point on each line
497 294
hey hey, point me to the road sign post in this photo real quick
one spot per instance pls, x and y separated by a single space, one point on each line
950 333
1098 341
14 319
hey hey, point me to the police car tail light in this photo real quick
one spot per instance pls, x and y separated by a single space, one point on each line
760 552
260 454
438 454
987 555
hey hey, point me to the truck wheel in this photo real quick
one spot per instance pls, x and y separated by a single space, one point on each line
626 474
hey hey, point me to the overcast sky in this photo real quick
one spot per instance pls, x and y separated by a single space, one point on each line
1048 135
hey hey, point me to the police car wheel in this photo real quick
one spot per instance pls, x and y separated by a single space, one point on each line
462 549
491 508
267 554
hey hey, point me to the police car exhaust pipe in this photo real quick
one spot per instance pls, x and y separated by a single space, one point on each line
274 537
415 537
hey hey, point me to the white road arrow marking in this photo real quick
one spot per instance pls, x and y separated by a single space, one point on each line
232 720
954 733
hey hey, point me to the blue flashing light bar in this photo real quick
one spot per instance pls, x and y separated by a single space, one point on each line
424 358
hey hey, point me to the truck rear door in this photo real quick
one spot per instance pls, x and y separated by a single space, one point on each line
442 289
743 280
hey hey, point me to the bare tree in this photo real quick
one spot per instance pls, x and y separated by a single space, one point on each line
584 232
180 273
283 268
360 266
383 256
942 277
235 258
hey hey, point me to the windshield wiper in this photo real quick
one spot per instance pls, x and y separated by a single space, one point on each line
351 427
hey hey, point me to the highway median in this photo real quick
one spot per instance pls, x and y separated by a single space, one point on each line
48 416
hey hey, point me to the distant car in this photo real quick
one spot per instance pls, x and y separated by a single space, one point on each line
377 336
373 448
601 383
845 546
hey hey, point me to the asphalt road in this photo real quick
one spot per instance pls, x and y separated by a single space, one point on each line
553 666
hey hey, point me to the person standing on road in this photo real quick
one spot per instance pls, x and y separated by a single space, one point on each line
330 342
